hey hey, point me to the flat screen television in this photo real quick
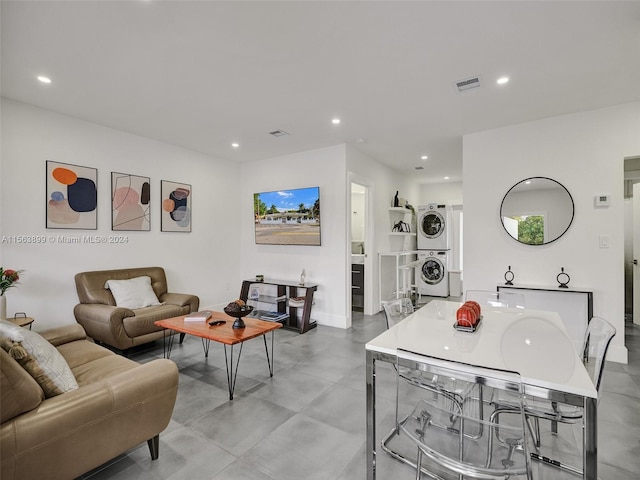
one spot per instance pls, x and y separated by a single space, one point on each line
287 217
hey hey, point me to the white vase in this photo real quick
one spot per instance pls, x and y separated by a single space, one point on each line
3 307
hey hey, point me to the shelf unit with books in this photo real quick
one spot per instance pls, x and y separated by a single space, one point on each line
285 292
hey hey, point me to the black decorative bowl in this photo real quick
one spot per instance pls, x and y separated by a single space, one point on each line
238 314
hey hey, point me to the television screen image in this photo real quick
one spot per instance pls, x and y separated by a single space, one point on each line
287 217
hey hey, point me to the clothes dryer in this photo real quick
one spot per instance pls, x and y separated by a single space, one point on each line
432 273
434 225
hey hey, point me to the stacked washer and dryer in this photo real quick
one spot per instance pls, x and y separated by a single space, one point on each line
434 244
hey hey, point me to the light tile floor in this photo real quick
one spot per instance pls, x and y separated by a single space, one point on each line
308 421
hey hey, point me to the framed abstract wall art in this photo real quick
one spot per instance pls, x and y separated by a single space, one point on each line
176 207
72 196
130 202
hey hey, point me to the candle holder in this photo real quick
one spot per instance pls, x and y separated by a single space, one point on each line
509 276
563 278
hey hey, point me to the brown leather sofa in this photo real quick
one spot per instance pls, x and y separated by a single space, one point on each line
118 405
123 328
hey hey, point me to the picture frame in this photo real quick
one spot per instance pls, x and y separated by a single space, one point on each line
287 217
176 201
71 196
130 202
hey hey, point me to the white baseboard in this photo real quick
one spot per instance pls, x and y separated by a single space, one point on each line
338 321
618 354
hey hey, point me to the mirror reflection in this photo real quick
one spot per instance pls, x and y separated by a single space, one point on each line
537 211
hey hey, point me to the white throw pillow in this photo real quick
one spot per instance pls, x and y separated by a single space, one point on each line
133 293
44 362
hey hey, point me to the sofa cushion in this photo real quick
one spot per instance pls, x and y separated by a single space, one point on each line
133 293
91 363
20 392
43 362
143 322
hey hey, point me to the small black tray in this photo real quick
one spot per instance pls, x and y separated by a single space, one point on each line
468 329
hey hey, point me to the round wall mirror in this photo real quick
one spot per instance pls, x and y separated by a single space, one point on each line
537 211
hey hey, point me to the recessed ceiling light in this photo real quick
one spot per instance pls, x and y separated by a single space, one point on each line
528 182
502 80
446 178
44 79
335 121
235 145
423 157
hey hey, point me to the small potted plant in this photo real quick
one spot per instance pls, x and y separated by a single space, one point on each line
8 279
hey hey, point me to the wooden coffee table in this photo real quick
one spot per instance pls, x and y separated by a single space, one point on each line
224 334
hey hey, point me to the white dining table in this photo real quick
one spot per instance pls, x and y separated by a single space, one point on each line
533 343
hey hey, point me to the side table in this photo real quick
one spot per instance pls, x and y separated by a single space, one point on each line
22 321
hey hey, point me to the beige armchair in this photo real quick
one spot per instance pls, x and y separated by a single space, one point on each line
118 405
123 328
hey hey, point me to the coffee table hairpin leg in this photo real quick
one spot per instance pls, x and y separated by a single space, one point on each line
232 374
167 343
205 346
270 362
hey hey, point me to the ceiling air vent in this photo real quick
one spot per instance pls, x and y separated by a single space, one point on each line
467 84
419 167
278 133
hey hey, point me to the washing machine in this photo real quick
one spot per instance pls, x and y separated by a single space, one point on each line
432 273
434 225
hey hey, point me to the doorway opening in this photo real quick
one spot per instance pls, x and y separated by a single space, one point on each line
358 245
632 239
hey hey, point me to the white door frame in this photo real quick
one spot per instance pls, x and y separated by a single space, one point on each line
369 273
636 253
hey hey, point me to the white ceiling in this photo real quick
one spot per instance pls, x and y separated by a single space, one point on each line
205 74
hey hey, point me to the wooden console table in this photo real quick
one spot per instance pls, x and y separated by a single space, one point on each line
285 291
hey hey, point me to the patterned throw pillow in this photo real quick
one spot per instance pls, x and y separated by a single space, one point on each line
38 357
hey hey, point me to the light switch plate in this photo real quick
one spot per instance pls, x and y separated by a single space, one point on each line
603 241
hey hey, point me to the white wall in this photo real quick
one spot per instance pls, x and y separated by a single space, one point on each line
204 262
584 152
324 265
449 193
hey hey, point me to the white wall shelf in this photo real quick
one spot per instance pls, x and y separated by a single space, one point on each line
392 282
401 240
